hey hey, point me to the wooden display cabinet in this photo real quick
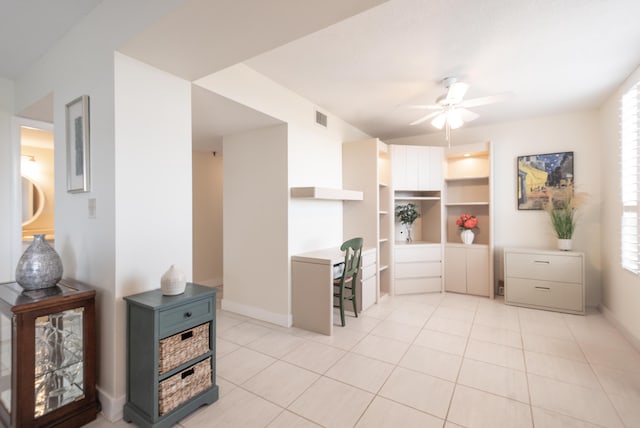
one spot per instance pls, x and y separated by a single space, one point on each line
47 356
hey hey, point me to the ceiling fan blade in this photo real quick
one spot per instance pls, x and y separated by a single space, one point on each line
491 99
467 115
456 92
425 118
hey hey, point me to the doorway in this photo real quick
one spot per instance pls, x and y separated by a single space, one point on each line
37 181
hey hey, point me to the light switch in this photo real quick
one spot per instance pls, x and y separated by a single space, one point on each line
92 207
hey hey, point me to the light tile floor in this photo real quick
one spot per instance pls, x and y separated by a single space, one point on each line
437 360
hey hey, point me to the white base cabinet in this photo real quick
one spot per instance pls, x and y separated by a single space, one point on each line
417 268
467 269
552 280
367 292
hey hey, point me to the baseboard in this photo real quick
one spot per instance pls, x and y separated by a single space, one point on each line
111 407
211 282
613 320
257 313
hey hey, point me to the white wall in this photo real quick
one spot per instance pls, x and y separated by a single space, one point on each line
621 288
152 185
577 132
246 86
8 161
312 156
255 224
207 218
314 160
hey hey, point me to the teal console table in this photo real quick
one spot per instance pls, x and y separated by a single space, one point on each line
170 355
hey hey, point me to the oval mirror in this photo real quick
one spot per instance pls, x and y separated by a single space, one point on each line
32 201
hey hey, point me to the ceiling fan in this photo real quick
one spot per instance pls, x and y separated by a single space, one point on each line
451 110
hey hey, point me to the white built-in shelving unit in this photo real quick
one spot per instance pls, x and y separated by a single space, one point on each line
468 190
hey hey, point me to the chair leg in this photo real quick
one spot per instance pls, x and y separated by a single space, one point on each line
355 310
342 310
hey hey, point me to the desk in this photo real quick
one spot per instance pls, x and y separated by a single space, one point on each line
312 288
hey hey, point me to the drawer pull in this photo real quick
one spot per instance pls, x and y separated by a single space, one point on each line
187 335
187 373
543 288
546 262
188 314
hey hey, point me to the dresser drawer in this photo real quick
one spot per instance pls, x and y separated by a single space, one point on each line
368 293
418 285
183 347
418 269
184 317
544 294
368 272
546 267
368 258
418 253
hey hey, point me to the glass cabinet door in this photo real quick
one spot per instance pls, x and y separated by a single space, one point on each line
6 345
58 360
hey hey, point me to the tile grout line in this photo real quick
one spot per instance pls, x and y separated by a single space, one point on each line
464 352
604 390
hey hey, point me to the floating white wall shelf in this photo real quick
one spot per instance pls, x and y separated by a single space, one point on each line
326 193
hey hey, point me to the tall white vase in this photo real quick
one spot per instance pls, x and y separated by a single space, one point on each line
467 236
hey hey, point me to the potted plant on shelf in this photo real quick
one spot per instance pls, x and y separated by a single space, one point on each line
407 214
466 223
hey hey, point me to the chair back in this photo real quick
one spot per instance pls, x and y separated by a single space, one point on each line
353 250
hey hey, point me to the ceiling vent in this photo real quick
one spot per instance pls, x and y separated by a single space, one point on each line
321 119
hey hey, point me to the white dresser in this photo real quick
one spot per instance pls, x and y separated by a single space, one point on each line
367 292
417 268
551 280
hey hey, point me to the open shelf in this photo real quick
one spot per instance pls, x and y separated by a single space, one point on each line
417 198
459 204
469 178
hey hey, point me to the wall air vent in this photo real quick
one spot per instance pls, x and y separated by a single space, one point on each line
321 119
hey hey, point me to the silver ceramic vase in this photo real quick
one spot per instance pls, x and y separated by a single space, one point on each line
40 266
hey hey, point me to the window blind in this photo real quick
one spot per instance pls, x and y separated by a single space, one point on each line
630 140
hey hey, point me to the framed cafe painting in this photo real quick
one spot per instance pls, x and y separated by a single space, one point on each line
544 178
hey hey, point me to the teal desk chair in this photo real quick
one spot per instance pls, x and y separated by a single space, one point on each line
344 287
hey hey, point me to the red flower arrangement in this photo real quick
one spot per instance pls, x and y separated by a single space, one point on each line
467 222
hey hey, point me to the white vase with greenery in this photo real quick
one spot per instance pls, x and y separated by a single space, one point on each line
562 214
407 214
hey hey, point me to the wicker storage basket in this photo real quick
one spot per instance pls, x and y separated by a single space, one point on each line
182 347
182 386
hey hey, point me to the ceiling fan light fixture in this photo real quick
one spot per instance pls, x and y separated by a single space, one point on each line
454 119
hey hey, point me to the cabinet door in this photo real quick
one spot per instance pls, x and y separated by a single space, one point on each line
478 271
398 166
412 167
455 269
424 168
436 157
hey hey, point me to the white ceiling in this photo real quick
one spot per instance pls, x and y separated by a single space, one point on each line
554 55
28 28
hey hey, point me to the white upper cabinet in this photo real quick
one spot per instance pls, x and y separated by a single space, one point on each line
416 167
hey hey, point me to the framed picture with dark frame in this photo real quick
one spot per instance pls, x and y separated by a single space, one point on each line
544 178
78 161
